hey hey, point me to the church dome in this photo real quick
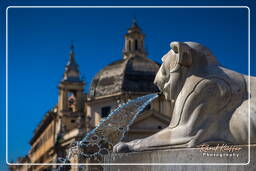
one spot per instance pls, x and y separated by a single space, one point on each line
129 75
134 73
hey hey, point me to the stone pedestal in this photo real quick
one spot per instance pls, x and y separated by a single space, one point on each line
184 159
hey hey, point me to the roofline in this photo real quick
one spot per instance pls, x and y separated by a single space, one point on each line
93 99
42 125
154 113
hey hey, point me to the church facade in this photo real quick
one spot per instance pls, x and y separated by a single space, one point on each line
77 112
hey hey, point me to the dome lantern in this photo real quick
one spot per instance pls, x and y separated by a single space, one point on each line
134 42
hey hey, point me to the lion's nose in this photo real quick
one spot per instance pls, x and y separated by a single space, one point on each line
159 75
156 81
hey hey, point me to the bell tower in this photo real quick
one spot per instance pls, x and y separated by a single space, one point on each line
71 96
134 42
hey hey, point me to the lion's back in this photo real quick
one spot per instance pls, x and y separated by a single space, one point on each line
252 81
239 122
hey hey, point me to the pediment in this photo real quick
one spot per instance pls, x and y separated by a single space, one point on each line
150 120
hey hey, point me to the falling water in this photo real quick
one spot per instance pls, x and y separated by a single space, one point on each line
108 132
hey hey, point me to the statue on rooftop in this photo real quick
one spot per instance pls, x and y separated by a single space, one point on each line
210 102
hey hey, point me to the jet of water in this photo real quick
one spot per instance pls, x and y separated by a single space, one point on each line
108 132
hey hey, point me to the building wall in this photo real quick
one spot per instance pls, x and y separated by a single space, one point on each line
94 108
43 144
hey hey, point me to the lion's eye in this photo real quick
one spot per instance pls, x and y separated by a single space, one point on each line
173 62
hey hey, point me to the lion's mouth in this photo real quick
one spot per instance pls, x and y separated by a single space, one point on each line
164 83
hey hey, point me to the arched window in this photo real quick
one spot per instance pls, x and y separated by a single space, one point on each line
72 101
136 44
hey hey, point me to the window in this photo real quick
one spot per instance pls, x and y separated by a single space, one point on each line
105 111
148 107
136 44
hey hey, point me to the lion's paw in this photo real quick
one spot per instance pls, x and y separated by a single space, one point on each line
121 147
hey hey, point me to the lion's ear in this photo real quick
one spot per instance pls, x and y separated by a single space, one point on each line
184 53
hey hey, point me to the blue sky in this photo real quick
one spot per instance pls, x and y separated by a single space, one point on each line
39 41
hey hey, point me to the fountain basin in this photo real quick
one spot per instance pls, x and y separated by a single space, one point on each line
178 157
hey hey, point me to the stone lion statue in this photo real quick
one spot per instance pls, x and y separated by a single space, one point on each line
210 102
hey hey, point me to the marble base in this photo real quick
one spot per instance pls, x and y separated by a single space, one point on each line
184 159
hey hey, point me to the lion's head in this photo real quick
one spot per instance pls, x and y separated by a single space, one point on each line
183 60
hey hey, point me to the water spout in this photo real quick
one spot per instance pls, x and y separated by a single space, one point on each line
108 132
